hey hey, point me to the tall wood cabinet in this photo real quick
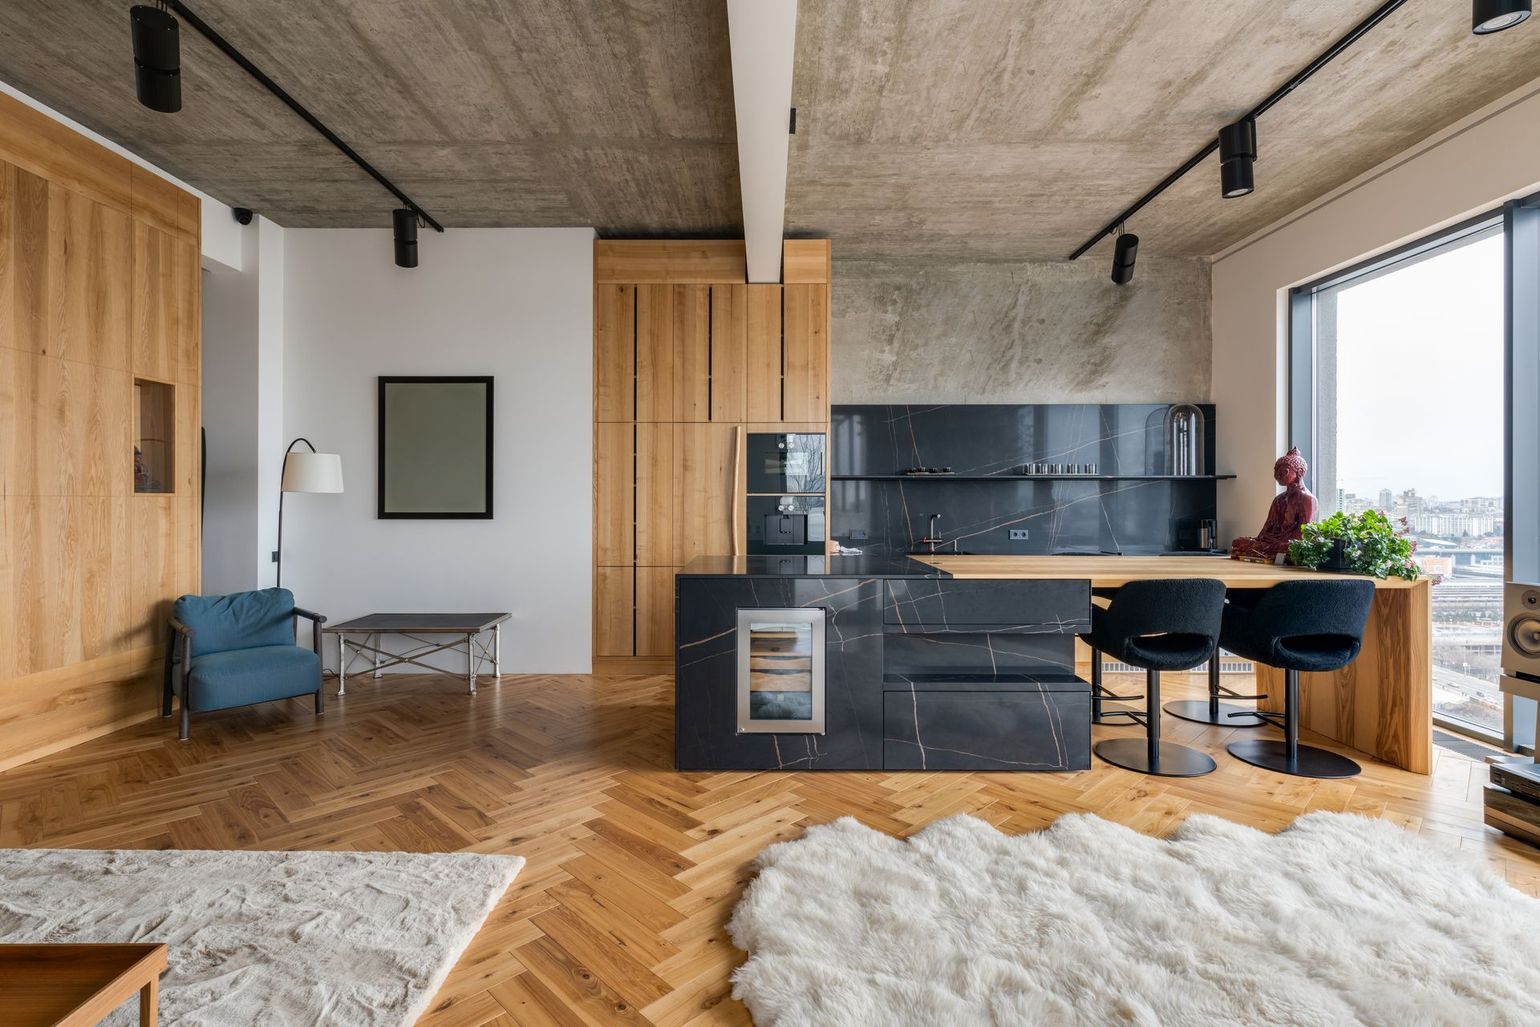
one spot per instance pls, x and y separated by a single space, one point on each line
689 358
99 416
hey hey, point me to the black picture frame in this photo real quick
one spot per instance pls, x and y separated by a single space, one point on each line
385 381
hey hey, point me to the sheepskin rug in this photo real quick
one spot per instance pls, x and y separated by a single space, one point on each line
1337 920
264 939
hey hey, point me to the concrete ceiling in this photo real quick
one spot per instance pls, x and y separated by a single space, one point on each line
948 128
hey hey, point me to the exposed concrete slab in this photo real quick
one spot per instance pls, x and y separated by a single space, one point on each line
929 331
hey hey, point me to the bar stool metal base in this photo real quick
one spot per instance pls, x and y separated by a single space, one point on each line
1172 760
1199 712
1309 761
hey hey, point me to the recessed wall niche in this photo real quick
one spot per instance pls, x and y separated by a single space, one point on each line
154 436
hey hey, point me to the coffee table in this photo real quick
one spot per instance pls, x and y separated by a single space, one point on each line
78 985
467 630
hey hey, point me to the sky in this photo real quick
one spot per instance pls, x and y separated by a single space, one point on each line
1420 377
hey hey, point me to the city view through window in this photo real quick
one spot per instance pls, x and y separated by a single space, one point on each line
1409 420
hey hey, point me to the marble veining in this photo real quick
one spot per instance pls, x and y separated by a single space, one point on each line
984 669
1082 515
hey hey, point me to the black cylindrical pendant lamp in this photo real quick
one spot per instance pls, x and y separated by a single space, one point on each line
1237 152
1124 251
1488 16
405 221
157 58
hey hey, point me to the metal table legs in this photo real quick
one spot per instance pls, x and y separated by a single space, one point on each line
477 649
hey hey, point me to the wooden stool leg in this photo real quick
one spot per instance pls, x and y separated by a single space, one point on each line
149 1003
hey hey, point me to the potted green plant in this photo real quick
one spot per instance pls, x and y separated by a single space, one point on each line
1367 543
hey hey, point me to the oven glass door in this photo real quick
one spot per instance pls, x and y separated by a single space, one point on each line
781 671
785 463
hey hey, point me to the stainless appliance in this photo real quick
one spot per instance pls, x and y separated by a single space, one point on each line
781 671
785 503
791 462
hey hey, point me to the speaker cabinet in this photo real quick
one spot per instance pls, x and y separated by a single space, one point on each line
1521 630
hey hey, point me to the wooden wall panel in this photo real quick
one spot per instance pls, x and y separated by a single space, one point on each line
763 385
654 353
654 495
707 465
90 273
614 492
155 304
676 262
615 353
729 337
99 280
655 611
805 338
692 353
805 262
614 608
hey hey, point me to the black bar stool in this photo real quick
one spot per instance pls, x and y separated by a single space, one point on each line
1158 625
1298 626
1213 710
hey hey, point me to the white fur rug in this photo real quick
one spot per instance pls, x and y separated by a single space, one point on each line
1337 920
265 938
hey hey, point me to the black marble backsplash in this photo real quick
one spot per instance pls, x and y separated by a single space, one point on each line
1115 511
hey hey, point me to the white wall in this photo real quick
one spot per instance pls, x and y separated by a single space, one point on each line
1472 166
513 303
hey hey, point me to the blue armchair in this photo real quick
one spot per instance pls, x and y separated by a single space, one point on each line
240 649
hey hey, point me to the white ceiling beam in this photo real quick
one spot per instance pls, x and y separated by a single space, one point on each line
763 36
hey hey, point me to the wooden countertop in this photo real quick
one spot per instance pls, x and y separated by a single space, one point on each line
1112 571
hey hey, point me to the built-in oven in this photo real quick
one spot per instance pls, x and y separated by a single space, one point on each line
791 462
785 502
781 671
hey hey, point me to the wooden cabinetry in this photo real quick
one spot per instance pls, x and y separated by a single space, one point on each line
688 357
99 333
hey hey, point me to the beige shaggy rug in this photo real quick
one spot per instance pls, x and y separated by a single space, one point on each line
1337 920
265 938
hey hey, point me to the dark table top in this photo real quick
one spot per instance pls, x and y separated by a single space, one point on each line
808 567
425 623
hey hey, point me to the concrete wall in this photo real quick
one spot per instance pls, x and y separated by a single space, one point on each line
945 331
513 303
1472 166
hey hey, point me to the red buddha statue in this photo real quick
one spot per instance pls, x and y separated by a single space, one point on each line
1292 508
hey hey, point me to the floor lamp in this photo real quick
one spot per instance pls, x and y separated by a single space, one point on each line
305 472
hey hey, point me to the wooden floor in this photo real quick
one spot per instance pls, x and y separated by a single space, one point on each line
633 868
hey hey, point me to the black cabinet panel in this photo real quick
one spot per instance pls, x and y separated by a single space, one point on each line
943 606
991 730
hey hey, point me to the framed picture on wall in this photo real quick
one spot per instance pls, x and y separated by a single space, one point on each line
435 447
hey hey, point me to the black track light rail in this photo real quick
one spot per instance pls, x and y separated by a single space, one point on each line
229 50
1358 31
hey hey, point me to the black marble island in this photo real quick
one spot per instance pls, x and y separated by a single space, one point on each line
875 663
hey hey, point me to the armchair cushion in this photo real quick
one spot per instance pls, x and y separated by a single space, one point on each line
240 677
241 620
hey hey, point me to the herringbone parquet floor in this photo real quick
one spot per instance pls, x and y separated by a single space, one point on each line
633 868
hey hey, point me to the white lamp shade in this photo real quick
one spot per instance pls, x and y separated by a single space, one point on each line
312 472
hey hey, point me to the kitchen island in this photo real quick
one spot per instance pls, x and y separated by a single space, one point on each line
857 663
968 662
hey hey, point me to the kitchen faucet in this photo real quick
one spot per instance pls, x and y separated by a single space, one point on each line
931 538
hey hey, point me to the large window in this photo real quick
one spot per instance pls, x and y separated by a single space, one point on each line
1399 385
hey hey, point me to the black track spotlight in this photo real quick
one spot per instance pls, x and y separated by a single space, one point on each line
1488 16
1123 253
1237 152
405 220
157 58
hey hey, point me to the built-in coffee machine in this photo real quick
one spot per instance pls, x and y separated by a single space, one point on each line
786 481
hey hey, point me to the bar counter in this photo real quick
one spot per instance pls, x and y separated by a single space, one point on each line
1381 704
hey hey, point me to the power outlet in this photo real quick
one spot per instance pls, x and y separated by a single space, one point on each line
1019 534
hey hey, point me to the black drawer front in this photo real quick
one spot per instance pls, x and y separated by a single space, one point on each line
986 730
942 606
